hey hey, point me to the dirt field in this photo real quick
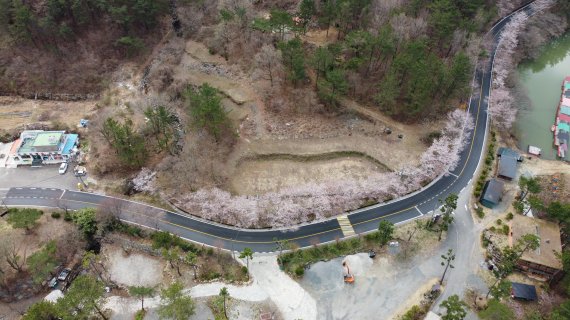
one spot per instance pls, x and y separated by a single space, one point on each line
260 176
16 112
133 269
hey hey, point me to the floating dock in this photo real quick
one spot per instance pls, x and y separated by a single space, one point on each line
561 127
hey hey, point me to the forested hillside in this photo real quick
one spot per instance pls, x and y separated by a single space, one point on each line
408 57
69 46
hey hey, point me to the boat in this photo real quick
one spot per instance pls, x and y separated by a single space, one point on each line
561 127
535 151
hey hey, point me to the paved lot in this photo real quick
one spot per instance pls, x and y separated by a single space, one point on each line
383 287
44 177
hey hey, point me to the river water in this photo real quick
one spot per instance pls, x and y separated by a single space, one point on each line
541 80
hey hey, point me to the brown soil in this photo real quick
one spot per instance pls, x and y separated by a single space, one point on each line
17 112
358 129
261 176
319 37
414 299
555 188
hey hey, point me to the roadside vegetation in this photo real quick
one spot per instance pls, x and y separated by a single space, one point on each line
296 261
207 264
487 168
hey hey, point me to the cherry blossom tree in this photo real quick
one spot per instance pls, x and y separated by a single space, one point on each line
316 201
502 108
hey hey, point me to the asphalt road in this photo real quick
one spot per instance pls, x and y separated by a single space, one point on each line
363 220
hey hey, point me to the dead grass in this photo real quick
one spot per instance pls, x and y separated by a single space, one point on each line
319 37
17 112
266 175
554 187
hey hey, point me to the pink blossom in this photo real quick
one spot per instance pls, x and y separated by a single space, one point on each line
316 201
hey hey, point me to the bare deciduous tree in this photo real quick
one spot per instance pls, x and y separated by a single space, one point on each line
13 254
268 64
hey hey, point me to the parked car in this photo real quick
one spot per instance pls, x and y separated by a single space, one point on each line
63 168
79 171
63 274
52 283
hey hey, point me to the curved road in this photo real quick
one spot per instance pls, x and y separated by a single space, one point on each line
363 220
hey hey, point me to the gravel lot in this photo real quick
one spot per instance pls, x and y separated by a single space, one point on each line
134 269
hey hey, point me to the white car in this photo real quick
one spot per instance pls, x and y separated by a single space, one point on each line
63 168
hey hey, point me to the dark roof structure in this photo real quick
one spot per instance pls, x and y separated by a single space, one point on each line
507 167
492 193
509 153
523 291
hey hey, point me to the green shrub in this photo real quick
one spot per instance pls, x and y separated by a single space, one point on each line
56 215
140 315
506 230
186 246
499 222
492 229
67 216
519 206
244 269
163 239
496 310
25 218
510 216
413 313
133 231
210 251
299 271
480 213
484 241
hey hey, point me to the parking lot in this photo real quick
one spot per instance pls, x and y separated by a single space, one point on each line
44 177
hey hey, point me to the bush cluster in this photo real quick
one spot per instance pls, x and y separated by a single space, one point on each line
166 240
487 166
